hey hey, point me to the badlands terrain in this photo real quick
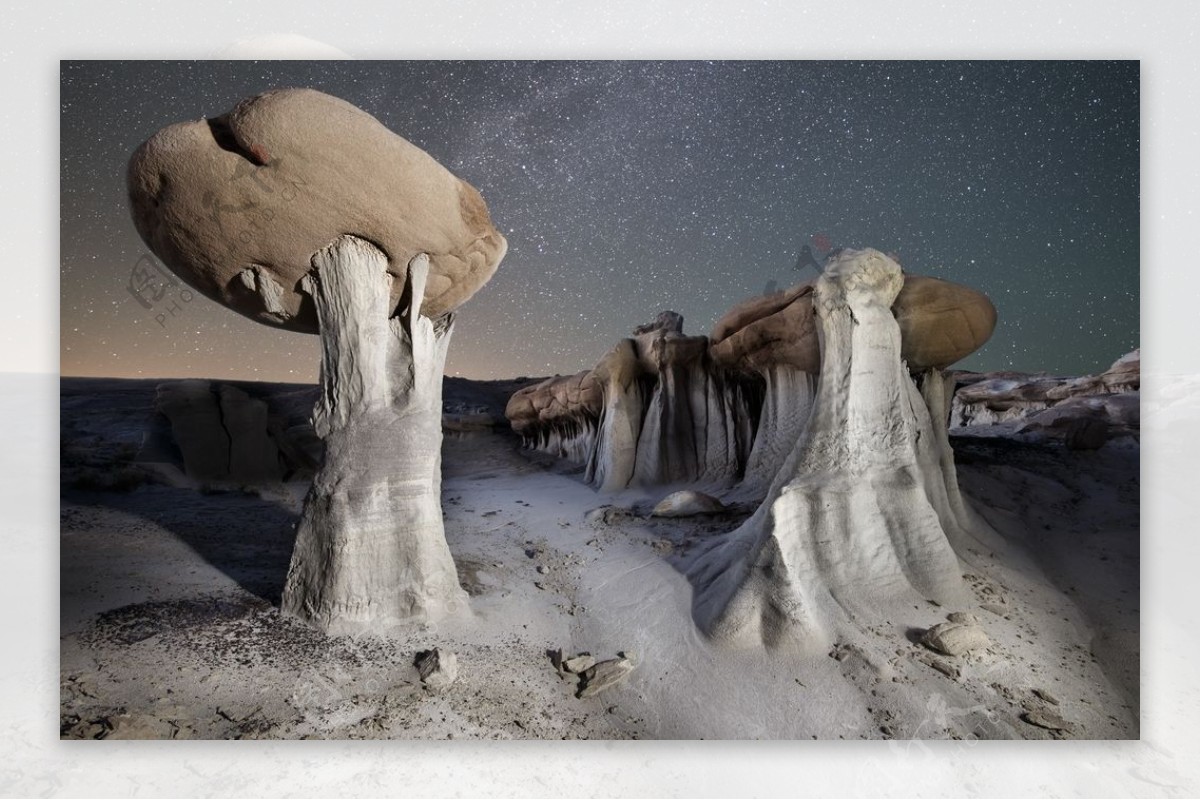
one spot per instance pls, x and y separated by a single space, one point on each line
172 574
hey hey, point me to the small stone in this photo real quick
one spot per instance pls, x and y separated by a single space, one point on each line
539 585
954 639
963 618
542 569
1049 698
1047 720
604 675
995 608
687 503
438 668
943 666
580 663
605 515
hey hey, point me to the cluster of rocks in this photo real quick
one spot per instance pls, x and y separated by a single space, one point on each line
1084 413
662 407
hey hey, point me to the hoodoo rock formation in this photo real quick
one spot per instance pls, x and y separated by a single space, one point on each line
654 411
301 211
770 343
664 408
864 511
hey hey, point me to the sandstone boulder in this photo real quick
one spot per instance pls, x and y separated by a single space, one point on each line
687 503
940 323
955 638
238 204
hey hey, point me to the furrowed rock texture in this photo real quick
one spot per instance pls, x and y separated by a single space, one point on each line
690 423
855 523
238 204
370 547
652 412
614 455
771 342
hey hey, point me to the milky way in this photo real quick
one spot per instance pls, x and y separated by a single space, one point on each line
625 188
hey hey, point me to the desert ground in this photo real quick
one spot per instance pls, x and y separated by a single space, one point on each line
170 591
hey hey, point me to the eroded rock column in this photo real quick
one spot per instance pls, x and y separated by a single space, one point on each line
613 460
851 527
371 549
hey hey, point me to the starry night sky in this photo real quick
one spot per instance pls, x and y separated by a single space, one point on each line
625 188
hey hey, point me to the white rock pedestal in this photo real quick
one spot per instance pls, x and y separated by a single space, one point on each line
370 548
852 526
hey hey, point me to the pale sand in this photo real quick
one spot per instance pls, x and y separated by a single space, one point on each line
170 625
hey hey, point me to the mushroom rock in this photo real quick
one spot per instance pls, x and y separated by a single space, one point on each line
238 204
301 211
860 519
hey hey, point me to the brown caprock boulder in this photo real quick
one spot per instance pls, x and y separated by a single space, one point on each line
236 205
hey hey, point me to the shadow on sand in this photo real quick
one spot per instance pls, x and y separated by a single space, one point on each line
246 537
